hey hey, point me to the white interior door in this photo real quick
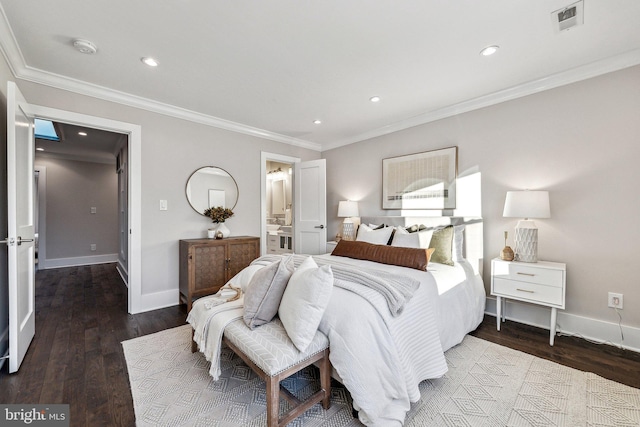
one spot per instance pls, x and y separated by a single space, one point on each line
310 207
21 259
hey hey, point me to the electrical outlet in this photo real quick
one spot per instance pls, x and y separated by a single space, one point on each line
93 247
615 300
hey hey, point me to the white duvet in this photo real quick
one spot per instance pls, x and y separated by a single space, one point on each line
381 359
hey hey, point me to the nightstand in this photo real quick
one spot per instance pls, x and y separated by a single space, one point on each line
542 283
331 246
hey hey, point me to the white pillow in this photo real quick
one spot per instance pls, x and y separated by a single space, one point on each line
304 301
245 275
458 243
377 237
419 239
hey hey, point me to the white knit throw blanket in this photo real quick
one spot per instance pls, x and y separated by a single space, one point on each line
396 289
208 317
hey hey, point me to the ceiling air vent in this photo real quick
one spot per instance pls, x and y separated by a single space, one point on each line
568 17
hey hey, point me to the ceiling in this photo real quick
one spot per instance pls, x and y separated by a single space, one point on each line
96 146
270 68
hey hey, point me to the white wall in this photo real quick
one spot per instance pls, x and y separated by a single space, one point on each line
72 189
581 142
171 150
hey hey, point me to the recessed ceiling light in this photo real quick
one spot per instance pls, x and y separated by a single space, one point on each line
151 62
317 122
374 99
82 133
489 50
85 46
39 149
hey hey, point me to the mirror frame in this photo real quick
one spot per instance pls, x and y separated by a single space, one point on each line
186 187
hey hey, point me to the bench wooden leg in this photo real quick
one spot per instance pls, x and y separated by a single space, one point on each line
273 401
325 379
194 346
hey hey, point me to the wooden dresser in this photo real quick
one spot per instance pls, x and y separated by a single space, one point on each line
207 264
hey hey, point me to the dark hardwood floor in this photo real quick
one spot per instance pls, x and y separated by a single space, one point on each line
76 356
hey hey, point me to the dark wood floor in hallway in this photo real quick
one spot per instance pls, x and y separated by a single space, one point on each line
76 356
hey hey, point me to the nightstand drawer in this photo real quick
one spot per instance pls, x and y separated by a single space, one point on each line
534 292
529 274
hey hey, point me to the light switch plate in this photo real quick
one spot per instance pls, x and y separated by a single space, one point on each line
163 205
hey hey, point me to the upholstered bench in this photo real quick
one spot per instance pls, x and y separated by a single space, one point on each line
268 350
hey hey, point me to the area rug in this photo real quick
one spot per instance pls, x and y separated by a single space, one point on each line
487 385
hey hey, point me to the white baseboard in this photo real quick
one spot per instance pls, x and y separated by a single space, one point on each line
158 300
76 261
124 274
4 348
599 331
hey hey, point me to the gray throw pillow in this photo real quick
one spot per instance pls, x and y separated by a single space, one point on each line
264 292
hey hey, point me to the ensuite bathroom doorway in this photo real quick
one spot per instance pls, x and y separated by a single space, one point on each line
277 204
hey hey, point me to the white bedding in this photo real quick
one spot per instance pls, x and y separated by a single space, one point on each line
380 358
460 295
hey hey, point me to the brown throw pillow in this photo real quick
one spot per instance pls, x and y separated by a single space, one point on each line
393 255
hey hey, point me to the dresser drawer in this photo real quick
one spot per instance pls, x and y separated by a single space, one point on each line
529 274
534 292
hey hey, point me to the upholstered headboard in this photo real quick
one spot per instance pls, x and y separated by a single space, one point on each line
473 235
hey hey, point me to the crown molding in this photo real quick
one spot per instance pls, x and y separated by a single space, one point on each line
19 68
594 69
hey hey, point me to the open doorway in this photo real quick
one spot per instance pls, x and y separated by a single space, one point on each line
133 134
81 196
277 218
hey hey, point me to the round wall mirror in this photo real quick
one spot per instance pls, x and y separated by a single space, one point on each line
211 186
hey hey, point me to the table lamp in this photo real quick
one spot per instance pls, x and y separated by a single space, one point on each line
526 204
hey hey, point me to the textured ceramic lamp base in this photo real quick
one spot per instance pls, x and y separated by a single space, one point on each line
348 231
526 247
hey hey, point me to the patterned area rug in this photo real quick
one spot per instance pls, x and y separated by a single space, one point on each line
487 385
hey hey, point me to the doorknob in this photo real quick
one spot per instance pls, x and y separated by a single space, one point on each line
20 240
319 226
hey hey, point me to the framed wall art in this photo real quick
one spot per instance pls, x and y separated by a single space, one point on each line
420 181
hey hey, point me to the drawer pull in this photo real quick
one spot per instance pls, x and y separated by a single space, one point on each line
525 290
526 274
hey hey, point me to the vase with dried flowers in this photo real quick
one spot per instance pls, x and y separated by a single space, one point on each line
218 216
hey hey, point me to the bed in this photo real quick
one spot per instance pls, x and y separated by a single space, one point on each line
381 349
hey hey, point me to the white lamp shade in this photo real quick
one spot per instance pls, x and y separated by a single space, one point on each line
527 204
348 208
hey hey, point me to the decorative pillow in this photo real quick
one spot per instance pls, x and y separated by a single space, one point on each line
380 236
243 278
415 227
442 242
458 243
264 292
420 239
304 301
393 255
376 226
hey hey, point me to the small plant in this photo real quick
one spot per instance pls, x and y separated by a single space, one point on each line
218 214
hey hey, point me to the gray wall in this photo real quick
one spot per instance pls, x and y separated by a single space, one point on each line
581 142
73 187
171 150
